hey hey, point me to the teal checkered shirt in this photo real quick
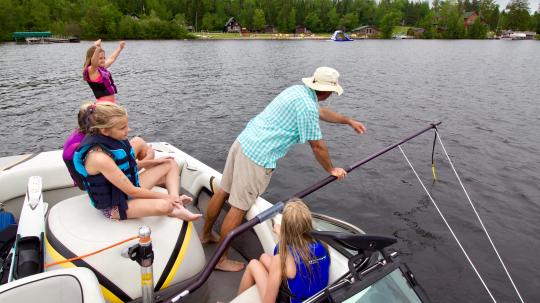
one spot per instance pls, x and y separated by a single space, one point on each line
291 118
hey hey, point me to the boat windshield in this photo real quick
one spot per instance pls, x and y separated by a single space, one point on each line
391 288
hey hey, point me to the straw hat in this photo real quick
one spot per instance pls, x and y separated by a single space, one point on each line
324 79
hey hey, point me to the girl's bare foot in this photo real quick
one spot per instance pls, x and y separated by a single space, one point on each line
229 265
211 238
182 213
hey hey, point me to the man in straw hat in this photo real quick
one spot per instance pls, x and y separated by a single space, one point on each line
291 118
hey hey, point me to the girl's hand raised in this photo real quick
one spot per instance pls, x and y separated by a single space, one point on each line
122 44
97 43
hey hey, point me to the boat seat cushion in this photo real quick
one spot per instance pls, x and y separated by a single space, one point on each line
250 295
74 228
60 286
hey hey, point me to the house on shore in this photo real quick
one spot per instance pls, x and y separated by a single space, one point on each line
232 26
470 17
300 29
270 29
415 32
365 31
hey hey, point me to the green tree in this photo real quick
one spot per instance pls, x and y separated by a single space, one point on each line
517 13
100 20
427 24
451 21
332 21
159 8
349 21
313 22
258 19
37 16
208 21
536 22
9 19
489 9
291 25
387 24
478 30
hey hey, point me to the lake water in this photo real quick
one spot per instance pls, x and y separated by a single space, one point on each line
198 95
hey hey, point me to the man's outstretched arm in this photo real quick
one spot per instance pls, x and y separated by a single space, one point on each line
328 115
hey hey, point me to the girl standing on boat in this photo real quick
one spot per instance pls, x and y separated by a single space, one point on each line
95 71
105 162
300 265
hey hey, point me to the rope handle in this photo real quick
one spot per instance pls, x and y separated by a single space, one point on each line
92 253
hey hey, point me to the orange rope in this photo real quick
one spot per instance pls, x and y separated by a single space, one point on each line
92 253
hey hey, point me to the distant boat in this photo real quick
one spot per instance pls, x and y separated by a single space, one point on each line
402 36
340 36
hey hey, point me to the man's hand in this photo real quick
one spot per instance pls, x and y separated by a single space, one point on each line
97 43
338 172
357 126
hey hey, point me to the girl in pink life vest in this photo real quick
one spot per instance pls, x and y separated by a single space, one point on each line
95 71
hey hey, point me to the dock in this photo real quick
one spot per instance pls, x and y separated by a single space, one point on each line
41 38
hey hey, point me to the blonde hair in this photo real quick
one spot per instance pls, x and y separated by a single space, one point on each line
101 115
295 235
89 54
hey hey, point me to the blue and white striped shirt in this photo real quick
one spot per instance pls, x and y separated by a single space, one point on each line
291 118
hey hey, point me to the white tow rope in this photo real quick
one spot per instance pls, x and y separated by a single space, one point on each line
447 225
479 219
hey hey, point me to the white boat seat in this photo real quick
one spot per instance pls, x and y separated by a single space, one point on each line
73 285
74 228
250 295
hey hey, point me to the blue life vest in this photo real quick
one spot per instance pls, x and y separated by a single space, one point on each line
306 284
102 192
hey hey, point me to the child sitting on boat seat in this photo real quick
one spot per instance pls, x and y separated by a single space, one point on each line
105 162
300 265
95 71
144 152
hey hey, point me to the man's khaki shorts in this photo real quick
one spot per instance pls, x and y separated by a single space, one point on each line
243 179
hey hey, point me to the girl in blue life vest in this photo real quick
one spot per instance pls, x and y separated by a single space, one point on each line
300 265
95 71
105 162
144 152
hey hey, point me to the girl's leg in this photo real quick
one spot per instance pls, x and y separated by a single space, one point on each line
170 172
141 148
167 173
266 259
255 273
138 208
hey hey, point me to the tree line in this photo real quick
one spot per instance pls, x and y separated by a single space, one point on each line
170 19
